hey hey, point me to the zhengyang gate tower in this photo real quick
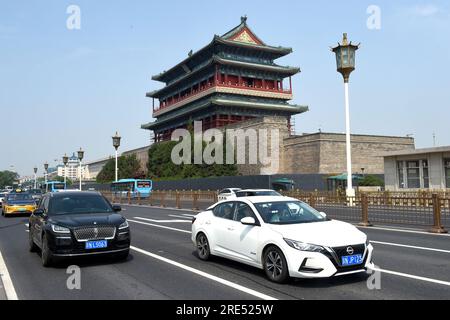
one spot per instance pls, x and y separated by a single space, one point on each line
232 79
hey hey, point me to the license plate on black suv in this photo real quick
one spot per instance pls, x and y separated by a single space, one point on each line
96 244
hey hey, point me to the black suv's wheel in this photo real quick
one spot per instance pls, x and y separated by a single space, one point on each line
275 265
32 246
46 254
203 247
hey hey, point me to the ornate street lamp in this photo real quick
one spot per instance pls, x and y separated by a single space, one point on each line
116 145
345 61
45 175
80 158
35 169
65 162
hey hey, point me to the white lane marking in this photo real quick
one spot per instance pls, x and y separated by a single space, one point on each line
405 275
7 282
163 221
159 226
157 207
206 275
188 215
182 217
405 230
27 225
408 246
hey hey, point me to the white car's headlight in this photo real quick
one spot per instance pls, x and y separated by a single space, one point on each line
59 229
304 246
124 225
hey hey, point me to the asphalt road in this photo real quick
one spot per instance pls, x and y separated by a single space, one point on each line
163 265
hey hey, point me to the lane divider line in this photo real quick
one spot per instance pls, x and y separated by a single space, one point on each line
7 282
163 221
158 226
403 230
409 246
206 275
182 217
406 275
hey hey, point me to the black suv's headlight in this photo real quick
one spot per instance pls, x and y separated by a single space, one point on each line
304 246
59 229
124 225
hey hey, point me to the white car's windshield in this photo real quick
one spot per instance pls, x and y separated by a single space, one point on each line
288 212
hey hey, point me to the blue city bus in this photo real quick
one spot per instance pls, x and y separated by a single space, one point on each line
53 186
135 187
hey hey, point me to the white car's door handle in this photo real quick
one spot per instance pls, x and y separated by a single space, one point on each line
208 222
230 228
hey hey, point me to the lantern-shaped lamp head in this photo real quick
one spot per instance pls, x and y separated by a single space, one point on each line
46 166
345 57
65 160
35 170
80 154
116 141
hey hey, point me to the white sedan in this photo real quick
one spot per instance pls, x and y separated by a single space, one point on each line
283 236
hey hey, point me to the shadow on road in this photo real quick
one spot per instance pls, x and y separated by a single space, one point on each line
258 276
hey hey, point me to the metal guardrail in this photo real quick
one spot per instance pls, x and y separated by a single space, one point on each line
430 211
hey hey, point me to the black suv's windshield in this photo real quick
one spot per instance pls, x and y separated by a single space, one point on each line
288 212
78 203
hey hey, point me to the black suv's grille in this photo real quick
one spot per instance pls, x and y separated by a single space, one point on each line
95 233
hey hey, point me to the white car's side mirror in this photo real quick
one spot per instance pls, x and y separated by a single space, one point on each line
248 221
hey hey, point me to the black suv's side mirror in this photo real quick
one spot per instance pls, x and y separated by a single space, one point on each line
39 212
117 208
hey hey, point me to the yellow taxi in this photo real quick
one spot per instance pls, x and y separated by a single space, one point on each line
18 202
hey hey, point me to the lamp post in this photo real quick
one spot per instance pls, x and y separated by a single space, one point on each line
80 158
35 169
116 145
345 60
65 161
45 176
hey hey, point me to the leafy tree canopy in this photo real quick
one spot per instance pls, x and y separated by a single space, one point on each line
129 167
8 178
371 181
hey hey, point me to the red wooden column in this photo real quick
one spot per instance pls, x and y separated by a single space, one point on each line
290 84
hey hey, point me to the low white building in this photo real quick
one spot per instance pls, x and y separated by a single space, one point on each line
73 169
417 169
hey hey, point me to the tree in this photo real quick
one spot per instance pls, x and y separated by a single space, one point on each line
8 178
129 167
371 181
161 166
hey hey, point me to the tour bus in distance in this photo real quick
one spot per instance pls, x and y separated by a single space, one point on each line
135 187
53 186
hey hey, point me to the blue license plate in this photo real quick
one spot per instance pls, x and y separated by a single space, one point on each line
96 244
352 260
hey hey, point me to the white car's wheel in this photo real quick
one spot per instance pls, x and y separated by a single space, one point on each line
275 265
203 247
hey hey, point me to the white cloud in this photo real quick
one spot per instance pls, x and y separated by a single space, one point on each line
426 10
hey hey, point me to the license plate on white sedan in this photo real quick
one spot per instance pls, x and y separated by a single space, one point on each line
96 244
352 260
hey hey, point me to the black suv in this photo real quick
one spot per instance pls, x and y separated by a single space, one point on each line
71 224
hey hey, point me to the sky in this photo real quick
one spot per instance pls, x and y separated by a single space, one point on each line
62 89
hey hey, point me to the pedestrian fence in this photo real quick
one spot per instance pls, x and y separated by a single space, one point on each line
427 211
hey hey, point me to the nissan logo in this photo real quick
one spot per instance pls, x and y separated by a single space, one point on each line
350 250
